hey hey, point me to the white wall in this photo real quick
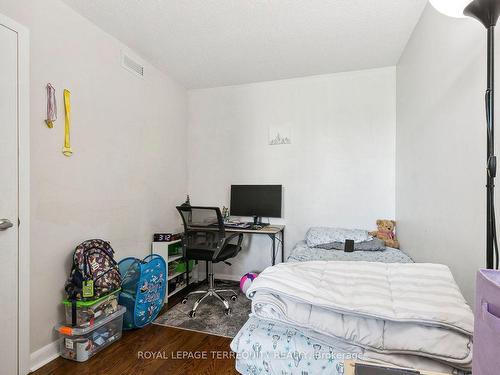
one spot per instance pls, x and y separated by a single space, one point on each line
339 169
128 169
441 145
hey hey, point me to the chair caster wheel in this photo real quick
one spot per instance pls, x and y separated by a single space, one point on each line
234 298
192 314
228 312
184 301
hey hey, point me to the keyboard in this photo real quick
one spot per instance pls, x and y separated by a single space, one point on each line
237 225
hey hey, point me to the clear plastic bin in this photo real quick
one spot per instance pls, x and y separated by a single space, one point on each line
89 312
80 344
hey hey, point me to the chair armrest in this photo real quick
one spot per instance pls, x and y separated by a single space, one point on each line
234 235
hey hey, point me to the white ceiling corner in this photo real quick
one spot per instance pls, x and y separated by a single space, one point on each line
209 43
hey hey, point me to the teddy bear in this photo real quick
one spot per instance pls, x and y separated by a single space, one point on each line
385 232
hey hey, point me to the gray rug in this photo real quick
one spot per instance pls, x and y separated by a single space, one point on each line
210 317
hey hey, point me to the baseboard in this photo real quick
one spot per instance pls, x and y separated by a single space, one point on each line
220 276
227 277
44 355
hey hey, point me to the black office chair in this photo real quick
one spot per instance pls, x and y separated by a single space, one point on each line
205 239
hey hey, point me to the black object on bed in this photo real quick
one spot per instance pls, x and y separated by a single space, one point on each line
374 244
349 246
363 369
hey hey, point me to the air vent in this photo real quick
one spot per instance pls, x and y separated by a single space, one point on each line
132 66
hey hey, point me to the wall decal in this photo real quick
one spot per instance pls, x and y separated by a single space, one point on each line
280 136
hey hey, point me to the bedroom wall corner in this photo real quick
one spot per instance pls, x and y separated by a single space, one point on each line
441 145
338 170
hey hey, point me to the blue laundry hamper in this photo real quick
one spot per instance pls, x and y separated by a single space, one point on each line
144 284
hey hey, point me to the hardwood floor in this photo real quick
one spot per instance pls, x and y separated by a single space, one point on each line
154 350
128 356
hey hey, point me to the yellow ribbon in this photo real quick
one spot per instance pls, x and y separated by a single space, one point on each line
67 124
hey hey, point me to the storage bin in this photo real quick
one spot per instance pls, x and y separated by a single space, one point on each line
181 266
486 359
80 344
175 249
88 312
172 266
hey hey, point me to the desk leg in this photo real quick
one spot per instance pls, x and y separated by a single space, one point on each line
274 249
283 245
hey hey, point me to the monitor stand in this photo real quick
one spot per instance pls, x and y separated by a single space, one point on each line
257 222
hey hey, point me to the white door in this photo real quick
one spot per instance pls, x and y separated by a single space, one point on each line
9 212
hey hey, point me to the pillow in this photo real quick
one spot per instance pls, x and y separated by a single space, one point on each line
370 245
323 235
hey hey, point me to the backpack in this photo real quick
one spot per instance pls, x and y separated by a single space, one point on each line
94 272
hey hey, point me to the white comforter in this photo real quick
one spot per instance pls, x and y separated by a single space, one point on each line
413 309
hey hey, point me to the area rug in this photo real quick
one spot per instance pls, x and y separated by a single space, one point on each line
210 317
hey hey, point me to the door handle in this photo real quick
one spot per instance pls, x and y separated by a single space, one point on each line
5 224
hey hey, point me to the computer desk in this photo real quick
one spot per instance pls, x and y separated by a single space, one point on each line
275 232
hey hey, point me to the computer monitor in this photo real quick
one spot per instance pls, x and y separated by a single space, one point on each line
256 200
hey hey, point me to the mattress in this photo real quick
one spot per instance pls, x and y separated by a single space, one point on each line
264 347
303 253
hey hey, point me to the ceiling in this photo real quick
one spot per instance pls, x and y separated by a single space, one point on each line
208 43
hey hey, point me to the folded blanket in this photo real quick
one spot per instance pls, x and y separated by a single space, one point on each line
374 244
323 235
412 309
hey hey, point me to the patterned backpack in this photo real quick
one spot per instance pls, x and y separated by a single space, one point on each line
94 273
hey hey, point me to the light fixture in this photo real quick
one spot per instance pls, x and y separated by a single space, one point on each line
451 8
486 12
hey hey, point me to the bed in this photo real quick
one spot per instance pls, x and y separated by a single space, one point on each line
264 347
303 253
270 344
328 243
368 312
